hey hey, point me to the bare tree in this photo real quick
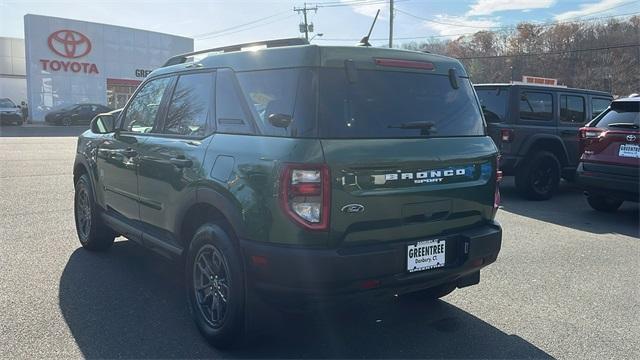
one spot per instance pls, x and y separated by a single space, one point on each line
579 54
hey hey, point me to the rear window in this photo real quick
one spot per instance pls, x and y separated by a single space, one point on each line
6 103
623 114
394 104
493 102
281 92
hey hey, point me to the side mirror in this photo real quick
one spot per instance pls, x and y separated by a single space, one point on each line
103 124
280 120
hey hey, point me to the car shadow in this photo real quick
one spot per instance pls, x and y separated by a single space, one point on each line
42 131
127 303
569 208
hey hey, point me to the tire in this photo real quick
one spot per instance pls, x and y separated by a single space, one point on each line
216 294
433 293
538 177
67 121
93 234
603 203
19 122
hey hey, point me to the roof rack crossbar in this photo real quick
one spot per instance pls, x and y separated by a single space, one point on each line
182 58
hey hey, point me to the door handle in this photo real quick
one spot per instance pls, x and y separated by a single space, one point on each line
129 152
181 162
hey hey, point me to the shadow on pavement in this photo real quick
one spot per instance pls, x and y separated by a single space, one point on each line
30 130
569 208
129 303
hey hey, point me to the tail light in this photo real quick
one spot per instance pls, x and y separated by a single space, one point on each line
496 193
305 195
590 133
588 136
506 135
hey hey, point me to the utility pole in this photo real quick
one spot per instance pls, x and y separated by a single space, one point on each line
305 27
390 23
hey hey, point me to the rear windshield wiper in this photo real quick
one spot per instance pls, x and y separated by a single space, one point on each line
425 127
625 125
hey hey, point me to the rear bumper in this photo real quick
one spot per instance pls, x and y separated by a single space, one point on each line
612 180
286 274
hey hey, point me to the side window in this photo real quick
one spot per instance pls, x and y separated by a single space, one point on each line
572 109
141 114
536 106
231 108
598 105
190 105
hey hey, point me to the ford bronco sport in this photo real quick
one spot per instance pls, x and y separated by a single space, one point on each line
536 129
297 172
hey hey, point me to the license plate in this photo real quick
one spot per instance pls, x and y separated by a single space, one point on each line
426 255
629 150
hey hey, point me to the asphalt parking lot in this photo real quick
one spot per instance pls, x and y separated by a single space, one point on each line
565 285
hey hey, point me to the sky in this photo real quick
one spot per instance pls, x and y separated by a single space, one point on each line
216 22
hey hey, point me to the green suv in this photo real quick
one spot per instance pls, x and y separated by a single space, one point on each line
296 174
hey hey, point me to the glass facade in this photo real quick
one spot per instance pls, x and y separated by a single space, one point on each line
73 62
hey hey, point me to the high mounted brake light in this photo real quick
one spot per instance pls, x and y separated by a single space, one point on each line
305 195
409 64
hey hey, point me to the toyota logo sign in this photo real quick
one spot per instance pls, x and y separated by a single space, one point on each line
69 43
631 138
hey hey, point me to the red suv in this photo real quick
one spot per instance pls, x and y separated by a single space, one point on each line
610 161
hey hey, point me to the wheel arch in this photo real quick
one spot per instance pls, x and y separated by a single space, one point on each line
549 143
82 166
209 206
79 168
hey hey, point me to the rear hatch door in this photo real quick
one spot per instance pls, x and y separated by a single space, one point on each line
408 155
615 137
396 189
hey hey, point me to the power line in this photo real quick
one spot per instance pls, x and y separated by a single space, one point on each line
353 3
238 26
468 33
248 28
603 10
622 46
553 23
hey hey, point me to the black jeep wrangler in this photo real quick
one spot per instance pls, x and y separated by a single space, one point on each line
536 129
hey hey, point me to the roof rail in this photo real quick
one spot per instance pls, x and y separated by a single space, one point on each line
182 58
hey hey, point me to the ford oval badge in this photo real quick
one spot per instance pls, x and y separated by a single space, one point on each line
352 208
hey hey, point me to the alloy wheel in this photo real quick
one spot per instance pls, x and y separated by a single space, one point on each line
83 212
542 178
212 285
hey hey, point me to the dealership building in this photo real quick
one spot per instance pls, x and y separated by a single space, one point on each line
63 62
